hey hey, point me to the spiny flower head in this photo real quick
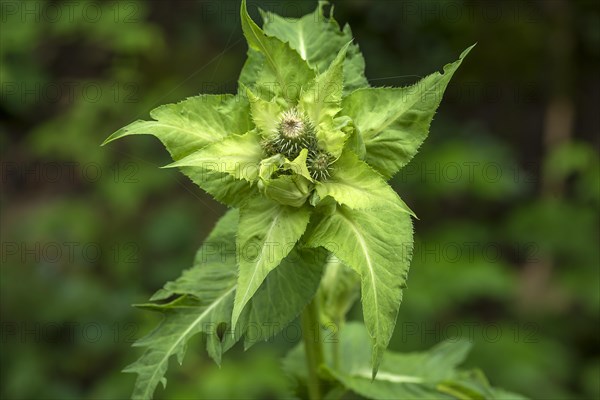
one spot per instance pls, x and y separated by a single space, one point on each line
319 165
292 124
295 131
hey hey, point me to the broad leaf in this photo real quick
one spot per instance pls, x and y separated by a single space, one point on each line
377 244
293 283
251 71
206 296
411 375
267 232
433 374
186 317
237 155
394 122
318 38
284 71
192 124
354 184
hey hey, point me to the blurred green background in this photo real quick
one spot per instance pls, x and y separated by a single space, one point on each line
506 187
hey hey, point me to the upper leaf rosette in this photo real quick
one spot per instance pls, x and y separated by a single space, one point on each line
304 150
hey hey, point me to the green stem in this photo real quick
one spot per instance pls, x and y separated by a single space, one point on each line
335 343
311 333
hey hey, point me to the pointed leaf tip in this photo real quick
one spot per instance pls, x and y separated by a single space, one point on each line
467 51
394 122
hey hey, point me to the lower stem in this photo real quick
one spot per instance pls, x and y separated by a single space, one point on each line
311 333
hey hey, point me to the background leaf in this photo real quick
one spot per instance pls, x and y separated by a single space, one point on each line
431 374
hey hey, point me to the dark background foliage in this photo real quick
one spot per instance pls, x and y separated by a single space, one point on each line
506 187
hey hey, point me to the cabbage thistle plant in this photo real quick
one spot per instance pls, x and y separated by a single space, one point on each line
302 155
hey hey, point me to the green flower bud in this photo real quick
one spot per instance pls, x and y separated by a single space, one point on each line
319 165
295 131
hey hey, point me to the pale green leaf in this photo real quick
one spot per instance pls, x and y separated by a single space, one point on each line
237 155
284 71
331 139
317 38
267 232
251 71
394 122
433 374
291 190
354 184
186 316
356 144
354 67
410 375
284 294
192 124
206 295
377 244
298 165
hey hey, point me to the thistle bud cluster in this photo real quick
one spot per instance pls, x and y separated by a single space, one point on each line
294 132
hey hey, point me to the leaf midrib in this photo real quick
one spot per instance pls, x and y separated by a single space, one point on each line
195 133
301 44
207 154
389 377
364 246
255 269
183 335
